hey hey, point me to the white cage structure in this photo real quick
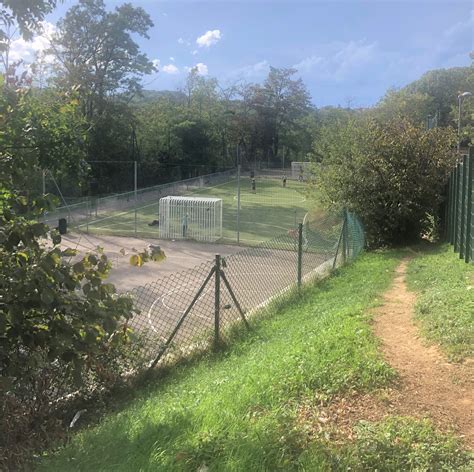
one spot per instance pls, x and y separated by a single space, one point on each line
300 170
198 218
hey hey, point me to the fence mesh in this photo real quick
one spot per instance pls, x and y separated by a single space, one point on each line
459 208
255 207
192 309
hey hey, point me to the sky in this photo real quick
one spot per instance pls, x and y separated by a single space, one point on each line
348 53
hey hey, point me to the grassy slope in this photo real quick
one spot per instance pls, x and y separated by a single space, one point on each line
445 304
270 211
236 410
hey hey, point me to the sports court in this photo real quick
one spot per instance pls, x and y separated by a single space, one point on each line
268 211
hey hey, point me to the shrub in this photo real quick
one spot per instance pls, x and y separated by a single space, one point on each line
391 174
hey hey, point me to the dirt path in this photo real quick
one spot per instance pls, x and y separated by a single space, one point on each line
429 385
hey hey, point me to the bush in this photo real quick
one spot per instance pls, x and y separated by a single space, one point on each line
62 328
391 174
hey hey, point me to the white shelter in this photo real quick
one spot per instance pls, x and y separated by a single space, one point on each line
198 218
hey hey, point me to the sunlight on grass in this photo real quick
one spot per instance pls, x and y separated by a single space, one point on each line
445 304
231 411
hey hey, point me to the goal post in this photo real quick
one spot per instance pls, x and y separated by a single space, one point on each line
300 170
198 218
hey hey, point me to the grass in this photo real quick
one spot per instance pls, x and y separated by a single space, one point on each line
272 210
445 304
237 410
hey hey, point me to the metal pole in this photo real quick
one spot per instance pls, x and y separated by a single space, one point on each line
217 299
344 238
238 194
459 124
87 214
470 198
456 206
135 183
462 241
181 320
300 254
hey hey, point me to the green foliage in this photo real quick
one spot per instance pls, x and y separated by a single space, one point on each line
413 106
445 304
97 55
237 410
39 131
62 328
391 174
26 14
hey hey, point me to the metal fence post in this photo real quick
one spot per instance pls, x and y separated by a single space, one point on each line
344 238
300 254
87 214
217 299
462 244
135 187
451 207
456 206
470 206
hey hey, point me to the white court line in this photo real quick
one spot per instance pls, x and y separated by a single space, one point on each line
162 297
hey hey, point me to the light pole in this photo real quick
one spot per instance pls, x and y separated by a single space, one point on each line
460 97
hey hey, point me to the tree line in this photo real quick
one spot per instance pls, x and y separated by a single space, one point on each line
61 324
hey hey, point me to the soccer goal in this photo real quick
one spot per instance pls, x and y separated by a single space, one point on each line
198 218
300 170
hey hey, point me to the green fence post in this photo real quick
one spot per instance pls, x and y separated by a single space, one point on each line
470 206
456 207
462 232
345 233
217 300
300 254
451 208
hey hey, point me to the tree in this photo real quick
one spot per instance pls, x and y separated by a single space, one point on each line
23 16
412 105
96 54
282 100
392 174
61 325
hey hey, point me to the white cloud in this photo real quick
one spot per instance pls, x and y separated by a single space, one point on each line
170 69
156 63
252 71
339 61
171 58
201 68
209 38
28 50
184 41
194 52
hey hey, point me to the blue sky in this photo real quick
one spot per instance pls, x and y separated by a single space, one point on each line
345 51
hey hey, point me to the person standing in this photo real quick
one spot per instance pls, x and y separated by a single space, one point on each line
254 186
284 180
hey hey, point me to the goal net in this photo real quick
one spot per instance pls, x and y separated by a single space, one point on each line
300 170
198 218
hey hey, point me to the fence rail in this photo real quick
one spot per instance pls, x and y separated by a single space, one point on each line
459 208
197 308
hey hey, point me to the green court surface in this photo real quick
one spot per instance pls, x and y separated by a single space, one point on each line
268 212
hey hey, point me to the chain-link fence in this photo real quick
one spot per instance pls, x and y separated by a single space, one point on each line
256 205
131 212
190 310
459 208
